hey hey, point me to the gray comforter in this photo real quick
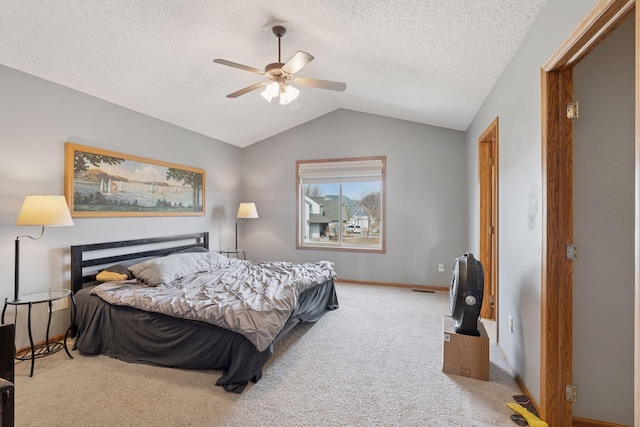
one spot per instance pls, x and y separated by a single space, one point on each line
254 299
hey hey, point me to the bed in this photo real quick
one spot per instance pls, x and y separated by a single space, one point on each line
120 317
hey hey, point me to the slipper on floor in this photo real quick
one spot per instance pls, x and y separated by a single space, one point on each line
533 420
524 401
519 419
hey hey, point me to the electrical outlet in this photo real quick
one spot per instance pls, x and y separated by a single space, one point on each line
440 266
511 323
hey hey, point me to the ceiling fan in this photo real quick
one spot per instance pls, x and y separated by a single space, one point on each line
281 75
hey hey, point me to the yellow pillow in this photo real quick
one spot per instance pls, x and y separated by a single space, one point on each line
115 273
110 276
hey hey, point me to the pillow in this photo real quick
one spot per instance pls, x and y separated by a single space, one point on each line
220 261
111 276
115 273
191 250
172 267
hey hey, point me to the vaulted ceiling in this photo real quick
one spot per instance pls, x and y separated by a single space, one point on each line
428 61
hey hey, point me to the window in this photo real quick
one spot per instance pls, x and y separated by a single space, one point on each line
341 204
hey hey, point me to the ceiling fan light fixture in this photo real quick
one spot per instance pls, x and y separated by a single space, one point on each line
280 73
288 94
271 91
265 94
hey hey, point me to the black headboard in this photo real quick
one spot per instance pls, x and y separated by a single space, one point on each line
79 261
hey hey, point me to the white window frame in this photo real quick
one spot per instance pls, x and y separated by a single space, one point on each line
326 171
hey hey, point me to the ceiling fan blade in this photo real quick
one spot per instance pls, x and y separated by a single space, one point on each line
297 61
240 66
247 89
322 84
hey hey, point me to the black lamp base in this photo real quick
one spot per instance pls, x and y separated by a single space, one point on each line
16 286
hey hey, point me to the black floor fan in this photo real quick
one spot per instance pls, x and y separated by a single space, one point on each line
465 294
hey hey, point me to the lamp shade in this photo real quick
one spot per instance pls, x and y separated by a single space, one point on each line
50 210
247 210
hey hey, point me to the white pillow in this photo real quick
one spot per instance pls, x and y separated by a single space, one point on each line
165 270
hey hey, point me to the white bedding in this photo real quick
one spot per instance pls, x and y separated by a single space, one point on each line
254 299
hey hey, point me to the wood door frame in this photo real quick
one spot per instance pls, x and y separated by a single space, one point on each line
557 180
637 229
488 162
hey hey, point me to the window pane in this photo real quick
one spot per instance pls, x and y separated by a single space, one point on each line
321 213
363 213
341 203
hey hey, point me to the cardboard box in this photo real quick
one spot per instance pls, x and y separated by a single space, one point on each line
465 355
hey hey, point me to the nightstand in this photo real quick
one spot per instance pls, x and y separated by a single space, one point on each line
236 252
48 297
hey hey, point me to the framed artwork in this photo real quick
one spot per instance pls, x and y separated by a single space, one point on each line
101 183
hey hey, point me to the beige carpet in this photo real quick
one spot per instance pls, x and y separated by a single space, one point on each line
376 361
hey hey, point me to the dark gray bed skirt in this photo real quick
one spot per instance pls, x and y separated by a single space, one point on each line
137 336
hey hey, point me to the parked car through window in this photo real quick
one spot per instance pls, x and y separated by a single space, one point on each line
355 229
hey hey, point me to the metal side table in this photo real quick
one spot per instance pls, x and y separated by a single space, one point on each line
48 297
236 252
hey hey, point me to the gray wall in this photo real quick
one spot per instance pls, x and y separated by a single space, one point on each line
36 118
426 211
603 205
515 99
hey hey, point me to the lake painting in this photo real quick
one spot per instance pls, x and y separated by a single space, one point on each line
100 183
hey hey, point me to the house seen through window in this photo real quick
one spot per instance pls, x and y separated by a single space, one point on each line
341 204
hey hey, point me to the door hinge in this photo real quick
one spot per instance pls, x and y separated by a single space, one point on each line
572 110
572 252
571 392
491 299
492 229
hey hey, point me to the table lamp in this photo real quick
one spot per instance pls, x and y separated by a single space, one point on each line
245 211
41 210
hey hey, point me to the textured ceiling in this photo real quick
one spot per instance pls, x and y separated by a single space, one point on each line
428 61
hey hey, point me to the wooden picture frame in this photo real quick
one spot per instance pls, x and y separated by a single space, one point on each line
101 183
